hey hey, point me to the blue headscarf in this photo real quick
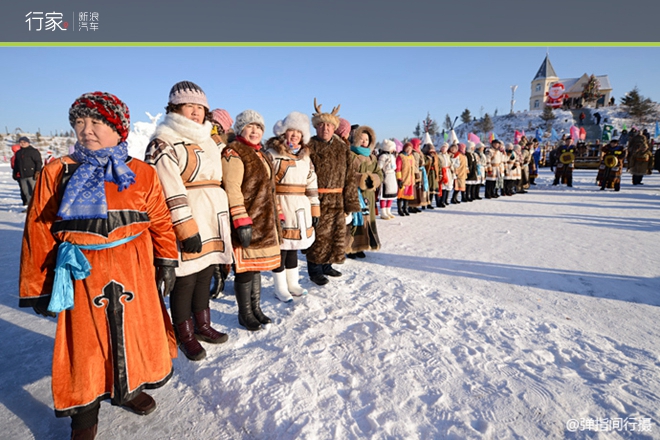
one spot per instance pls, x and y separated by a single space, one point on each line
84 196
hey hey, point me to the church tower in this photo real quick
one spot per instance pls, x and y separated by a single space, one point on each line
541 83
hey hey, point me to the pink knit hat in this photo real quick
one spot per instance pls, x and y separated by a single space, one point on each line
221 116
415 143
461 148
344 128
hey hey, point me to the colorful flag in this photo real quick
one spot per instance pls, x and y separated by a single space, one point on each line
657 129
575 133
516 136
625 127
491 138
539 134
554 137
583 133
474 138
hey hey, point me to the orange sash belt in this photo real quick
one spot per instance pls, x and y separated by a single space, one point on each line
331 190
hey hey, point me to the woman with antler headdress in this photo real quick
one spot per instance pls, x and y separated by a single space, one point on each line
337 186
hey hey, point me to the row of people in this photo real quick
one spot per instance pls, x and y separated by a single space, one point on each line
108 236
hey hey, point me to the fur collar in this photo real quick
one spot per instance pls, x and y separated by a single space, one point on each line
370 132
176 126
278 144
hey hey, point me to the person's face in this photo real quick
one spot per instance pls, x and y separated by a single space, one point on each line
23 144
253 133
292 137
364 140
194 112
408 149
94 134
325 130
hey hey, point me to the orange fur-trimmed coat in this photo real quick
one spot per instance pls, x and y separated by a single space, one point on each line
118 338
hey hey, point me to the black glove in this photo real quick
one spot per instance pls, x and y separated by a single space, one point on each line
365 212
165 275
315 221
369 182
400 183
43 311
244 235
192 245
220 272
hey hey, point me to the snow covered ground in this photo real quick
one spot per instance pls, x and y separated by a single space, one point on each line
525 317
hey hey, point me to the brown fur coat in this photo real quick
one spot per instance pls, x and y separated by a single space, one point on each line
335 170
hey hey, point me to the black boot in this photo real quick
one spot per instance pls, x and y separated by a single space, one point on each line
399 207
475 192
243 300
445 197
454 198
405 207
438 201
489 189
255 299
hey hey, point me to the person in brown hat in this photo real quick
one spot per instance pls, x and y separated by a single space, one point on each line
337 181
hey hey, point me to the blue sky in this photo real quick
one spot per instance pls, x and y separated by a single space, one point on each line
390 89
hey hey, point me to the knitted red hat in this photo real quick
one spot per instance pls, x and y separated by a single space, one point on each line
415 143
104 106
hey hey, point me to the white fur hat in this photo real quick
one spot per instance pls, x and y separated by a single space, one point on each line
294 121
248 117
388 145
470 146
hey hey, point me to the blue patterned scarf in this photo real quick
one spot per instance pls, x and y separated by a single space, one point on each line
84 196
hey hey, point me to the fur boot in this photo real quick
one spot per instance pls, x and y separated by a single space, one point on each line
281 289
292 281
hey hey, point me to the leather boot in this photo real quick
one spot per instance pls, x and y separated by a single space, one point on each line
399 207
255 299
204 331
142 404
405 207
454 198
475 192
189 345
243 300
84 434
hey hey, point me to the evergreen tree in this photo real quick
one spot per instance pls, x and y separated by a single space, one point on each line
485 125
417 131
466 117
591 90
639 107
548 115
430 126
447 124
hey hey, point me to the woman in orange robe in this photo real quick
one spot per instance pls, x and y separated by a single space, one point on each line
114 338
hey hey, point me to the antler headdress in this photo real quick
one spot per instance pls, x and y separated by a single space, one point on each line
331 118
